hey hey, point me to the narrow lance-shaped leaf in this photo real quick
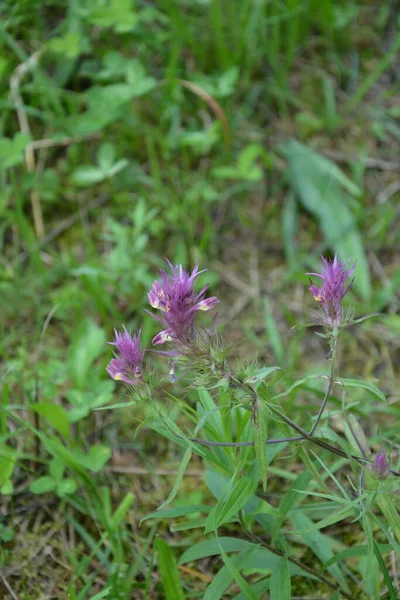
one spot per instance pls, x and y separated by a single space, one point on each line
185 461
280 582
169 572
260 438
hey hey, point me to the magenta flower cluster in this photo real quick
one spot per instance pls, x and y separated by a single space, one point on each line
127 366
381 465
173 295
334 277
175 298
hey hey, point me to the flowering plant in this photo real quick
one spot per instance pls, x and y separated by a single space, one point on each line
240 426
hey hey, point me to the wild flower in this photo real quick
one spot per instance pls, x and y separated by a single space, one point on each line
178 303
127 365
334 277
381 465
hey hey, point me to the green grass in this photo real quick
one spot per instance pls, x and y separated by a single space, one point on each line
250 136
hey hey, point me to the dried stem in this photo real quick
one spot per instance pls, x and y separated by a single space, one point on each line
30 161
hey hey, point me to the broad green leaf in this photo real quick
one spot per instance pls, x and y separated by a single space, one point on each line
88 175
69 45
169 573
56 469
117 167
359 383
318 181
280 588
178 511
95 459
89 342
55 415
42 485
6 534
106 156
7 488
66 486
261 416
12 150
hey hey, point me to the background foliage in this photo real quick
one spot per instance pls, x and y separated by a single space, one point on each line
251 136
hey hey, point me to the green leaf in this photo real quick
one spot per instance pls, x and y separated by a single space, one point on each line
290 499
234 498
212 547
317 181
359 383
262 374
6 534
69 45
353 552
122 509
280 582
42 485
253 558
388 507
7 488
7 462
388 581
55 415
95 459
296 384
261 416
57 468
319 543
224 577
168 569
12 150
178 511
242 583
106 156
336 516
89 342
182 468
65 487
138 79
88 175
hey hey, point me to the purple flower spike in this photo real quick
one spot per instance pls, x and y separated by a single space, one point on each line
127 366
334 288
381 465
175 297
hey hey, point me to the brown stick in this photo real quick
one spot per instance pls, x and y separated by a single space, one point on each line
30 161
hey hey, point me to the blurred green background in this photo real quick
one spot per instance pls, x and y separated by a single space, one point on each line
248 135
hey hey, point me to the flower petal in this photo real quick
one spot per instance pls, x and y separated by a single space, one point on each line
207 304
162 337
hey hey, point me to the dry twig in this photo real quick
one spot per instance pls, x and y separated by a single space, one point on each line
15 83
